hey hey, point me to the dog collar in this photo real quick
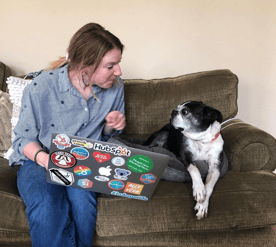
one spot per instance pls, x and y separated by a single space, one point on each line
216 136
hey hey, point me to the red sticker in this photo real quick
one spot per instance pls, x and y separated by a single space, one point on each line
100 157
63 159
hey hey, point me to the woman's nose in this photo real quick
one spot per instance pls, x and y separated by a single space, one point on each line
118 71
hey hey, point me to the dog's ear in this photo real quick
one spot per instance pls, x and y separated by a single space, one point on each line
211 113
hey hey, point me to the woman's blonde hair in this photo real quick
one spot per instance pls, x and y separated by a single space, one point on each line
87 47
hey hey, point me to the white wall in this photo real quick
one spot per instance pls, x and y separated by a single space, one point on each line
163 38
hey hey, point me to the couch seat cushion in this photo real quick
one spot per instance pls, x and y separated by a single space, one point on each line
242 200
14 227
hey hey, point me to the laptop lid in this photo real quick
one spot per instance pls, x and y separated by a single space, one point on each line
104 167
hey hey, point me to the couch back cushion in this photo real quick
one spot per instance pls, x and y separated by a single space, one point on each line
149 103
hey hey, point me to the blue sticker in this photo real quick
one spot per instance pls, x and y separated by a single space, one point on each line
116 184
80 153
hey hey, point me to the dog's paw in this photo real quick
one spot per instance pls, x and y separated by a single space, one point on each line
202 209
199 192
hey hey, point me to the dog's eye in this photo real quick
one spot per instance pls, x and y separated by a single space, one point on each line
184 112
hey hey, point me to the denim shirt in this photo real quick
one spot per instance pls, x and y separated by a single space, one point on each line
52 104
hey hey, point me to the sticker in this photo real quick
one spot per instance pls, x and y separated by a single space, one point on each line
85 183
114 150
63 159
62 141
116 193
118 161
82 171
116 184
102 178
133 188
121 174
82 143
61 176
105 171
139 164
148 178
80 153
100 157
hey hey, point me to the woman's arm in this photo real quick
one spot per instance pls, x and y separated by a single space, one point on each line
42 158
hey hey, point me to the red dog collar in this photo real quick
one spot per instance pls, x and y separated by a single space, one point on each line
216 136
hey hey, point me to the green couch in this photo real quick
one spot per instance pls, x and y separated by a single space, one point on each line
242 210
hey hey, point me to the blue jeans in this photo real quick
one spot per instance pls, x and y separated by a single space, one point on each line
57 215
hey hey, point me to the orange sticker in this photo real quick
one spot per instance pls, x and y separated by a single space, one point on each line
133 188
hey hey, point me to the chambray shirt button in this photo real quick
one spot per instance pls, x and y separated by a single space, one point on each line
86 108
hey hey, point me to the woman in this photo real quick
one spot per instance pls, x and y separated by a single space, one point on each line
83 97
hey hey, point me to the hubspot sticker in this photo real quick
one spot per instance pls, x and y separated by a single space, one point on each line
63 159
100 157
139 164
80 153
62 141
82 171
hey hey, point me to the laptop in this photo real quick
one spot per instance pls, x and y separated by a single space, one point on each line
104 167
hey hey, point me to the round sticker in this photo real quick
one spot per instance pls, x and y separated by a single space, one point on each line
139 164
63 159
82 171
116 184
80 153
118 161
148 178
62 141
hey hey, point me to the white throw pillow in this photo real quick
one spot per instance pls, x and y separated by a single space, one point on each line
16 87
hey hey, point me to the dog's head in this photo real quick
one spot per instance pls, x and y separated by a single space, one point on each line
194 117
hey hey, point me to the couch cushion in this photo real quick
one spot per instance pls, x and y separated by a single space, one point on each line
241 200
265 237
5 119
14 227
149 102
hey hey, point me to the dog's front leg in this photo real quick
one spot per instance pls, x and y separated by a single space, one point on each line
198 185
211 179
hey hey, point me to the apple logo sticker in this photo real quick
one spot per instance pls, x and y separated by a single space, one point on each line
105 171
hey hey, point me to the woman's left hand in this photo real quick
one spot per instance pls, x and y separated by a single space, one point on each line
115 120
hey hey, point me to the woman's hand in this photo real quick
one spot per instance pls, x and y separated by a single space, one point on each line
115 120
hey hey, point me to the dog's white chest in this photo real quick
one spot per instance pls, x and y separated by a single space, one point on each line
205 151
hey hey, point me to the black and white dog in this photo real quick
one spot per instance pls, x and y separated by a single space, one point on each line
194 134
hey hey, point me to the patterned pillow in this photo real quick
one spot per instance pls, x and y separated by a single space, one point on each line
16 87
5 120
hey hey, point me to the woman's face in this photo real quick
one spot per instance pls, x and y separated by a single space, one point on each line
107 72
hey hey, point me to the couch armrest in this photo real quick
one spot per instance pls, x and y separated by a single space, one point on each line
8 178
247 147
